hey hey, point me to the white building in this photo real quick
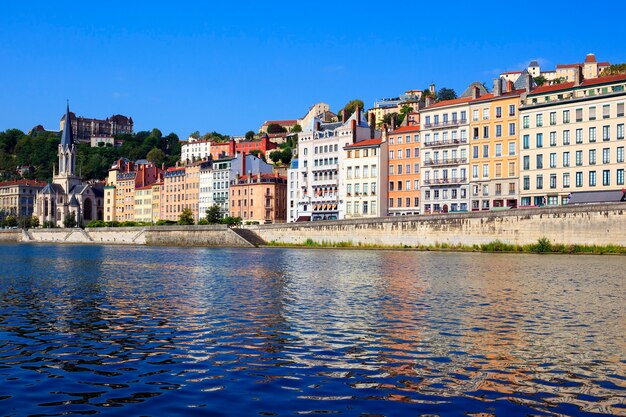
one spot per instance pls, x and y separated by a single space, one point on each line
320 155
364 176
206 189
292 191
195 150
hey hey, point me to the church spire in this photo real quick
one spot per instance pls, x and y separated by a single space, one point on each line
67 139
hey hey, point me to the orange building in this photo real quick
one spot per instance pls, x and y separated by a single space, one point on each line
261 198
404 171
192 188
173 193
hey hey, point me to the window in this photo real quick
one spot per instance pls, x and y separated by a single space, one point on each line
592 113
474 171
399 169
540 182
511 129
552 118
566 180
512 110
553 160
579 136
566 137
592 178
539 140
565 159
565 116
498 149
475 152
539 161
552 180
485 170
526 122
475 115
498 112
526 182
592 156
391 153
511 148
606 111
579 158
552 138
498 170
620 109
606 177
620 176
485 151
526 142
606 156
606 132
526 163
620 154
579 115
592 134
511 169
620 131
391 170
485 114
539 120
498 131
579 179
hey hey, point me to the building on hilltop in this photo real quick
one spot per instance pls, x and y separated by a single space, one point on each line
591 68
87 130
385 106
67 195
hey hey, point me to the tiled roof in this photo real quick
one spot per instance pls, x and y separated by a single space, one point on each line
452 102
590 58
405 129
29 183
280 122
568 65
585 83
365 143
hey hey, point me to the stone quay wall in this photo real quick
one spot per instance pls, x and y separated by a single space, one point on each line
597 224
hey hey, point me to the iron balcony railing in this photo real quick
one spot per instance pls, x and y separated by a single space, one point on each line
441 143
447 123
446 161
445 181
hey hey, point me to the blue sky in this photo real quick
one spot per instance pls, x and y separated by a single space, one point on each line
184 66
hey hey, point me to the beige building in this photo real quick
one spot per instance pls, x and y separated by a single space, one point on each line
572 139
591 69
17 198
364 178
157 192
143 204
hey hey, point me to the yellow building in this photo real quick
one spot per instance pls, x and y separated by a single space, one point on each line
572 139
157 189
493 148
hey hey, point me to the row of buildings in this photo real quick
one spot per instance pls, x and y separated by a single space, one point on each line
511 147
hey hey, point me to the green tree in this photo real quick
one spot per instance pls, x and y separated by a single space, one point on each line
186 217
446 94
350 107
213 214
275 156
614 70
156 133
540 80
195 135
156 156
296 128
250 135
275 128
34 221
398 118
70 221
258 153
11 221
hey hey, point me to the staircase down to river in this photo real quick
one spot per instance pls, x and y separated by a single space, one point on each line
249 236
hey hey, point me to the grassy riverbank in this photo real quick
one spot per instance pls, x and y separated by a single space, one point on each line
543 245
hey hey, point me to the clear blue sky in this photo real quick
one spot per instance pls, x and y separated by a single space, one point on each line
183 66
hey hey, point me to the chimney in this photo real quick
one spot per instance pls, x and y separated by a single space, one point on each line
393 123
510 86
358 114
529 82
353 127
344 115
383 135
475 92
497 87
429 101
432 90
578 76
372 118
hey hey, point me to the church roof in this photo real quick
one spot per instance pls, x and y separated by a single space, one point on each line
51 188
73 201
67 139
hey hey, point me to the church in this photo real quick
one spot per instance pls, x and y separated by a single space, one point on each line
67 196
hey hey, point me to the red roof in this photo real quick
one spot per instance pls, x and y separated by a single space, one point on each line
33 183
590 58
405 129
585 83
568 65
365 143
281 122
452 102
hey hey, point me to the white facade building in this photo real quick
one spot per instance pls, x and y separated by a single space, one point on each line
195 150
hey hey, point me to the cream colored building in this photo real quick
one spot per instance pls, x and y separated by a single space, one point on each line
143 204
364 179
572 139
157 192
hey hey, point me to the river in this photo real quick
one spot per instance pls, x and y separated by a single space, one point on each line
113 330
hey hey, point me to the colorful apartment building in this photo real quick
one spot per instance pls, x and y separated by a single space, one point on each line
143 204
572 139
157 197
259 198
119 191
173 193
364 178
445 164
404 171
494 153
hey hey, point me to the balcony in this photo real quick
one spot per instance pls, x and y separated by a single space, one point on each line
443 125
447 161
442 143
446 181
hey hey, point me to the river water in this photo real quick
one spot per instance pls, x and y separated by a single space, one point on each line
129 331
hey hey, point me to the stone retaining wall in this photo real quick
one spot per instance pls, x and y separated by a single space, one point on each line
598 224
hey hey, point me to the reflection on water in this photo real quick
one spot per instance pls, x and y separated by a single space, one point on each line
177 331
